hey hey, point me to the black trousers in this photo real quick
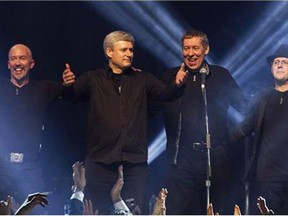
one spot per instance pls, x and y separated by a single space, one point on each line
20 179
187 186
101 178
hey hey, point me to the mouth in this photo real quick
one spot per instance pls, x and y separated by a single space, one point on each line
192 60
18 70
127 60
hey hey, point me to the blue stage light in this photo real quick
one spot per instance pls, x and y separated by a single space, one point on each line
157 31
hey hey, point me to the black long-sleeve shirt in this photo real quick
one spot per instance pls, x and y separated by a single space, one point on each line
22 115
222 92
117 112
268 120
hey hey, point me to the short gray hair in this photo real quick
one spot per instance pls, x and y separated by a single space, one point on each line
116 36
196 33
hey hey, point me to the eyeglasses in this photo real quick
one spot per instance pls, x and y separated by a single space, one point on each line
282 62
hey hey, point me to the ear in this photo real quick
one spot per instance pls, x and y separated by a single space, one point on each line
207 50
109 52
32 64
8 65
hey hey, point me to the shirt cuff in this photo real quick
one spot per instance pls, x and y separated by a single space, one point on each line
78 195
121 205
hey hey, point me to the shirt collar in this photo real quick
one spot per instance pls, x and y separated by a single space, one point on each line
109 72
197 71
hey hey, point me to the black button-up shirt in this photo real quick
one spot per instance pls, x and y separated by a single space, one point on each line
117 112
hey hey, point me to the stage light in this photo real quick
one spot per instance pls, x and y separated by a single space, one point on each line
155 30
157 146
158 32
269 31
150 23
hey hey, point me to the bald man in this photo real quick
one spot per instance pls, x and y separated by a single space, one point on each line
23 104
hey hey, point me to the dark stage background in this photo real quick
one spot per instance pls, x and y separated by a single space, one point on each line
73 32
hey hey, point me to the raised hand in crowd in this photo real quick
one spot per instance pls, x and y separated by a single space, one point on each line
5 206
88 208
117 188
31 201
120 206
78 177
237 210
262 206
210 210
75 205
159 206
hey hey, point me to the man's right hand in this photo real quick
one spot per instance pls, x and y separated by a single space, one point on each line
181 76
68 76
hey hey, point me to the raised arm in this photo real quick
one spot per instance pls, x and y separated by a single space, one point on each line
119 204
78 176
31 201
160 206
262 206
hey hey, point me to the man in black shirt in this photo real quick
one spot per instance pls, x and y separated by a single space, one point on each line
22 107
117 119
267 167
186 130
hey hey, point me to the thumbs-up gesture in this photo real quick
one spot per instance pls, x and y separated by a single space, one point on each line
68 76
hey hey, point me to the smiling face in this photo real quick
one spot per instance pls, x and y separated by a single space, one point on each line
19 63
194 52
279 69
120 56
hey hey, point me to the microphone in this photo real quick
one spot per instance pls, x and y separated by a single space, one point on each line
203 71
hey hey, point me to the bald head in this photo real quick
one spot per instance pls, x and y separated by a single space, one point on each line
20 62
22 47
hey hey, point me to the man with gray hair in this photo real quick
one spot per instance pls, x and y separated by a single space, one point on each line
117 97
210 91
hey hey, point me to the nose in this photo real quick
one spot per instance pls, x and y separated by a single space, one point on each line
280 64
129 52
18 62
190 52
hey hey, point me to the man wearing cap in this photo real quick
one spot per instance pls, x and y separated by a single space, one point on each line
268 166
